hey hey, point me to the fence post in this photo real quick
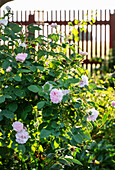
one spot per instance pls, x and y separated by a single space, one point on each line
112 31
32 21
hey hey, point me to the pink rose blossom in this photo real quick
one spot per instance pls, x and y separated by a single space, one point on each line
113 103
21 57
84 81
17 126
53 25
9 69
83 53
46 63
56 96
93 116
22 136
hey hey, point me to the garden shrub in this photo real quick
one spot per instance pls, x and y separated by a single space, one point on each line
52 116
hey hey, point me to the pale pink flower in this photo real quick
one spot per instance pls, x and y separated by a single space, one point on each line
113 103
65 92
17 126
53 25
84 81
23 45
9 69
83 53
56 96
22 136
21 57
46 63
3 23
93 116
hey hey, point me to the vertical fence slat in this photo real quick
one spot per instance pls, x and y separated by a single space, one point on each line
91 48
82 32
105 43
78 31
87 35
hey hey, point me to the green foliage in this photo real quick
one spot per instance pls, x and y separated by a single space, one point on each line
60 135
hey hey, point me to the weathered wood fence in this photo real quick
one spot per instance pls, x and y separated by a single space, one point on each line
97 41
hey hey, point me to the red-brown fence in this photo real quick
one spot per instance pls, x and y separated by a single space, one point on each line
98 39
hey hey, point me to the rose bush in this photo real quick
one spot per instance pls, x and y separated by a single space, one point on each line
45 102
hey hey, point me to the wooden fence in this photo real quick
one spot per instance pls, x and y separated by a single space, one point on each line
97 41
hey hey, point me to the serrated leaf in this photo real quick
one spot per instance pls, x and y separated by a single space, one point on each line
78 138
44 133
19 92
41 104
15 27
8 114
33 88
2 99
17 78
46 87
86 135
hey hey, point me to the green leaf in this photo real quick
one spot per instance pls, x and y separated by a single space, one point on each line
8 114
77 105
13 107
78 138
19 92
33 88
33 68
1 117
24 115
63 161
21 148
5 64
24 71
32 28
41 104
3 38
2 99
92 86
46 87
86 135
104 118
7 96
17 78
73 80
15 27
40 68
76 161
45 133
56 166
